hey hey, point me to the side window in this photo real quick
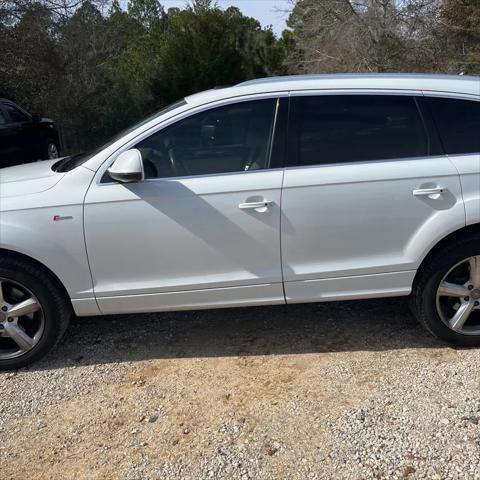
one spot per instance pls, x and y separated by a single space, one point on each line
15 114
353 128
2 118
232 138
458 122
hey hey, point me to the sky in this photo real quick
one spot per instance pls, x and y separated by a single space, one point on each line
265 11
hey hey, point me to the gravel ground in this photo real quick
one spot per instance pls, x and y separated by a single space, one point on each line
337 390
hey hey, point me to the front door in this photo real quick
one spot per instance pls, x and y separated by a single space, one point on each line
203 229
367 195
19 134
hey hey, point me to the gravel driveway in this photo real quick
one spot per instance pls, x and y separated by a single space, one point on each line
322 391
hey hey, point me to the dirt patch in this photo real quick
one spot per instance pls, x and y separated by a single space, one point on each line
345 390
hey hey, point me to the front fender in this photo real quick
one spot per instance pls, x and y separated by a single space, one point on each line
48 227
58 245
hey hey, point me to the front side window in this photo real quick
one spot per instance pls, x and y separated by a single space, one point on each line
353 128
15 114
458 122
232 138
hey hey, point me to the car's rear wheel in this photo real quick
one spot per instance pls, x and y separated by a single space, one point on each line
34 313
446 294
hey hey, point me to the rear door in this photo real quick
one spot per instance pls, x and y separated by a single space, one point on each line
366 194
458 122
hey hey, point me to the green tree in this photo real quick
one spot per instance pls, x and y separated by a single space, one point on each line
146 12
96 67
184 51
205 47
30 59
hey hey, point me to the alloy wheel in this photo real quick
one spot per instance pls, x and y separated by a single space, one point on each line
52 151
22 320
458 297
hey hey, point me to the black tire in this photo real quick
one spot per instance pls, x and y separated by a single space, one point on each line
57 309
424 292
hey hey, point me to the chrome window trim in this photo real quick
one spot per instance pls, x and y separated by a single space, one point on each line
265 95
453 96
363 91
354 91
176 118
368 162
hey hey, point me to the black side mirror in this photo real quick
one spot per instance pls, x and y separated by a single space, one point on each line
36 118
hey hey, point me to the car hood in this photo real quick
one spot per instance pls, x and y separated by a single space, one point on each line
28 178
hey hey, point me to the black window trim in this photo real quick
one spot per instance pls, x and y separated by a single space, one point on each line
434 145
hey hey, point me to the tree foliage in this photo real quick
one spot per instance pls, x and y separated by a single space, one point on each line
384 36
96 66
460 26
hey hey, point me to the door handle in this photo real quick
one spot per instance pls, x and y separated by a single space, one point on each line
253 205
425 192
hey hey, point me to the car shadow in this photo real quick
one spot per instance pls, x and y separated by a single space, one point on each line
368 325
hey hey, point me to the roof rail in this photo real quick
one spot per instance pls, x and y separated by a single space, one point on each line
292 78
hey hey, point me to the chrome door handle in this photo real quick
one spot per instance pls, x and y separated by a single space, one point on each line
425 192
252 205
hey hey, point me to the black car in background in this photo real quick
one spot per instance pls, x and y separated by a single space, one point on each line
24 137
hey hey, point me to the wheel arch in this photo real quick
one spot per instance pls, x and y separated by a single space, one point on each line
4 252
451 237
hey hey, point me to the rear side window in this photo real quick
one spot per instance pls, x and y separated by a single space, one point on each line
458 122
352 128
15 114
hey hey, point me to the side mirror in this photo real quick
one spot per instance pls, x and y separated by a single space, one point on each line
37 119
128 167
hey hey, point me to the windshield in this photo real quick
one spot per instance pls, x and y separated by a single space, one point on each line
73 161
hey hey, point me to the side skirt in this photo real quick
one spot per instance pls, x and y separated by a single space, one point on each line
268 294
305 291
350 288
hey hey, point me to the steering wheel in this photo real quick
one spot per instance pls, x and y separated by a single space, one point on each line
150 169
178 168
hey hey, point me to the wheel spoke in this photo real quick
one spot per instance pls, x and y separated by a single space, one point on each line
475 271
461 316
19 309
448 289
23 308
16 333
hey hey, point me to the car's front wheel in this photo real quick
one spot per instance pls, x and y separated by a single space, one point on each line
446 294
34 313
49 150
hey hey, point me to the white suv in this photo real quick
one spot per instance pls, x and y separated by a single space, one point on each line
281 190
